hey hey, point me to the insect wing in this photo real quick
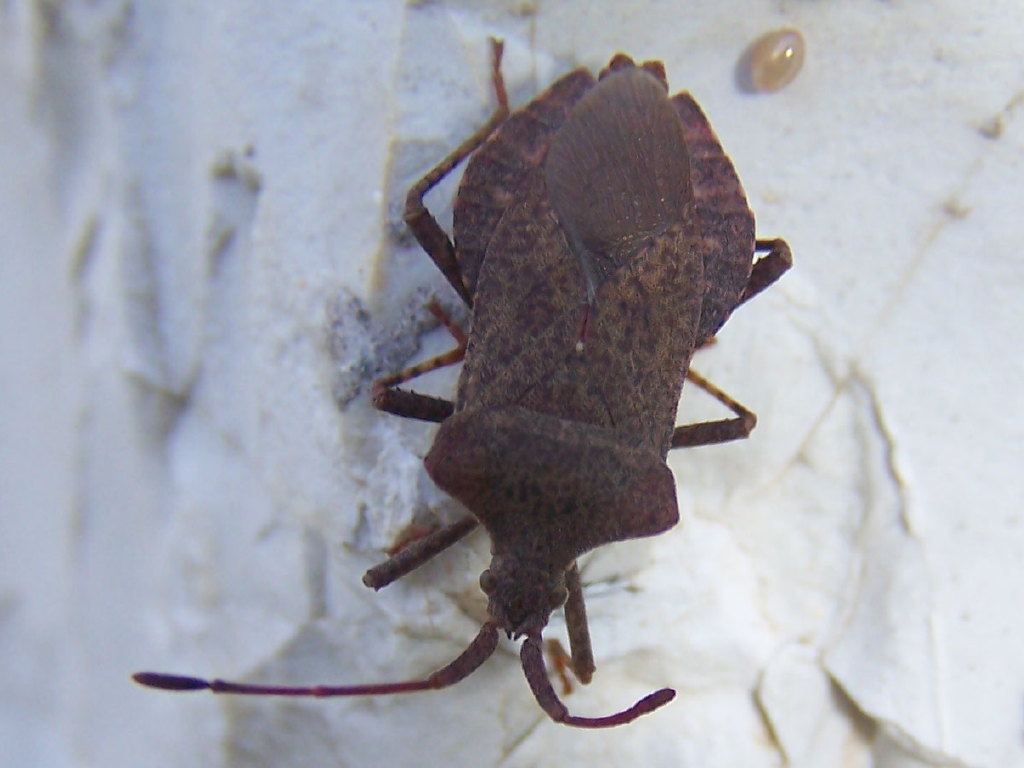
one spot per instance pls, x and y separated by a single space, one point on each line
496 173
529 304
590 293
618 171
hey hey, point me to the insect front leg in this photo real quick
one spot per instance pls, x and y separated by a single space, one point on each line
580 659
420 221
416 554
720 431
561 662
576 625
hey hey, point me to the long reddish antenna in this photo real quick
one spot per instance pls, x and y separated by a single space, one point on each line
476 653
537 676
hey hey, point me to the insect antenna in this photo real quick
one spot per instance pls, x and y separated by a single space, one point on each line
537 676
476 653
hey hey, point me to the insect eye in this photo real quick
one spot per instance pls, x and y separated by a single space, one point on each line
487 582
557 597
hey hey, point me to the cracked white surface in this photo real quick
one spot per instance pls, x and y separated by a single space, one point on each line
192 195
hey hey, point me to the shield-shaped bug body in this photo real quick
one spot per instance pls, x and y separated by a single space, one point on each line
601 236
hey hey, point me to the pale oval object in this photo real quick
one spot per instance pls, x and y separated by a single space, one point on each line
775 59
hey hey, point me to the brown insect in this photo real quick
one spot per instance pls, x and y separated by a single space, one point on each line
602 235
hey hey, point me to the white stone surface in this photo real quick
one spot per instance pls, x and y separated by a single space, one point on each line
200 254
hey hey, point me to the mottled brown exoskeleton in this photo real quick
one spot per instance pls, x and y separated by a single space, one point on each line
601 236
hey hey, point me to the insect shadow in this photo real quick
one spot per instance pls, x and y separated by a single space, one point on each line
601 235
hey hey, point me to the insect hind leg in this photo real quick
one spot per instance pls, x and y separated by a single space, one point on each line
769 268
719 431
421 222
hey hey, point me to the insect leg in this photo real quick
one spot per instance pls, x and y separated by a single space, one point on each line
768 268
416 554
720 431
577 627
561 661
411 405
423 225
386 397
